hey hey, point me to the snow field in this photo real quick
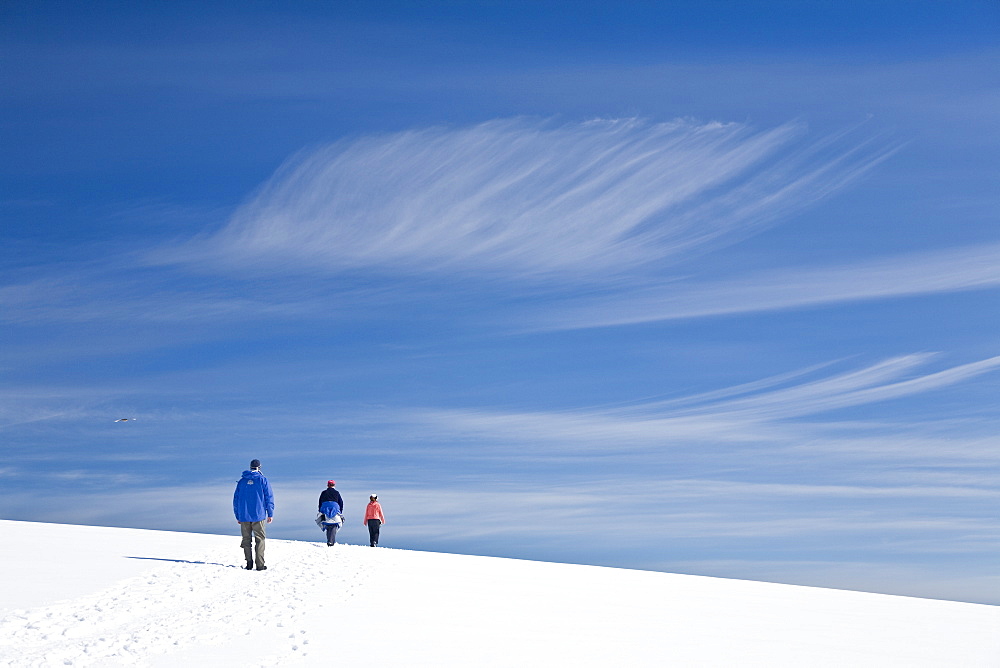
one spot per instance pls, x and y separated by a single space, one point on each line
150 598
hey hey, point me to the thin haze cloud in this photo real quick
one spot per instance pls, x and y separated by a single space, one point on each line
522 199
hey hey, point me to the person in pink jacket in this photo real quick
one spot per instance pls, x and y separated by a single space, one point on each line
374 519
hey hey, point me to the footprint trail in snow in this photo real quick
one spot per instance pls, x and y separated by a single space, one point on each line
186 603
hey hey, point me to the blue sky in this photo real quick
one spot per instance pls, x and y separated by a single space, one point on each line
703 287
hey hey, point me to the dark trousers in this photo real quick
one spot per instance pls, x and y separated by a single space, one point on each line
253 531
331 533
373 527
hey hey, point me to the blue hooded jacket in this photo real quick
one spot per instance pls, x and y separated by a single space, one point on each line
253 500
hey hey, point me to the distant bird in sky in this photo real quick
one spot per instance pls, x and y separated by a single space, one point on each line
124 419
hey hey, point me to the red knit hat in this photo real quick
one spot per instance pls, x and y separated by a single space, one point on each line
330 483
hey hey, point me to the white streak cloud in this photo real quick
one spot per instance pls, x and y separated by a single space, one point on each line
762 416
957 269
528 199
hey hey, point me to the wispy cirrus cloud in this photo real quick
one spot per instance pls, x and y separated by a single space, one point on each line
951 270
726 418
518 198
608 203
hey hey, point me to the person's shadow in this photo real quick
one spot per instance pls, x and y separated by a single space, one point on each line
185 561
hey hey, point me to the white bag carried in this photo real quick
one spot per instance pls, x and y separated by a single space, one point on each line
323 521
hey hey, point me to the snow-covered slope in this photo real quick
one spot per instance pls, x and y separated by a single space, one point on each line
76 595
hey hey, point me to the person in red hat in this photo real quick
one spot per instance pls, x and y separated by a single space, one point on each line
331 506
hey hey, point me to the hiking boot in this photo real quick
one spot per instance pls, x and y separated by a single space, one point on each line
262 568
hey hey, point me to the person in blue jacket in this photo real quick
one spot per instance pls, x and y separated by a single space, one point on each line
253 505
331 505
